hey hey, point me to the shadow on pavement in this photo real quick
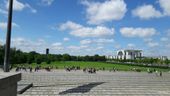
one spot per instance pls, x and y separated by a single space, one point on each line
81 89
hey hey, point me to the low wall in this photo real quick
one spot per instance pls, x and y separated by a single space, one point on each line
8 83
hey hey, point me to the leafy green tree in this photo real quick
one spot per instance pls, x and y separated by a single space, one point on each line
166 61
1 54
49 58
66 57
38 59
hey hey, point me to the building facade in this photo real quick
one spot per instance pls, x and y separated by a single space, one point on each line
129 54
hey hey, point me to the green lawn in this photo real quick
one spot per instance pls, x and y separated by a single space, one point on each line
97 65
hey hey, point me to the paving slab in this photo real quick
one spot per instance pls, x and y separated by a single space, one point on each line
103 83
23 86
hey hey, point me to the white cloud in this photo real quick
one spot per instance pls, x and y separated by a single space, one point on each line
99 47
146 12
164 39
57 46
117 46
86 41
3 11
168 32
98 13
17 42
96 41
47 2
66 39
40 46
153 44
1 42
165 6
104 40
74 48
138 32
70 25
148 39
19 6
82 31
28 45
149 11
167 46
3 25
131 46
31 8
84 50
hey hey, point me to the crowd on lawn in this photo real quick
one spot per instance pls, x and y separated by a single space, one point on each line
85 70
158 73
31 69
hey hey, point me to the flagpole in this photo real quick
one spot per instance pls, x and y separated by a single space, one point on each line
8 37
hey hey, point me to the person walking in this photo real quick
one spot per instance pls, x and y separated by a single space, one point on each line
160 74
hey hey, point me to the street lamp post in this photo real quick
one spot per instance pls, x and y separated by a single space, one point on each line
8 37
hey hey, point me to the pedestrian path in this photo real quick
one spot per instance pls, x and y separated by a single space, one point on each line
103 83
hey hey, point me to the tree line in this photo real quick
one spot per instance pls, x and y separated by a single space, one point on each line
20 57
144 60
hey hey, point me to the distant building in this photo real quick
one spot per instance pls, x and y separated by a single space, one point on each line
164 57
129 54
158 57
110 57
47 51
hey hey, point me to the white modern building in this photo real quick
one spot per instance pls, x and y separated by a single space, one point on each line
111 57
129 54
164 57
158 57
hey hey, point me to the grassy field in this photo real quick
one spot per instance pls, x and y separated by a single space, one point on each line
97 65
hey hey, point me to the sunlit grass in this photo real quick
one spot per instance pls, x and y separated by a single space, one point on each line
97 65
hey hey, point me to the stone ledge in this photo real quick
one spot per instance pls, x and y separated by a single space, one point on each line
8 83
7 79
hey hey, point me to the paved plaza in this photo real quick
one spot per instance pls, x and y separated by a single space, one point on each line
103 83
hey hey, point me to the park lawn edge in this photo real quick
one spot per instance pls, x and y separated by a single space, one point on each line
89 64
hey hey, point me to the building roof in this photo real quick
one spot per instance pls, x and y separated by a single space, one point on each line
133 50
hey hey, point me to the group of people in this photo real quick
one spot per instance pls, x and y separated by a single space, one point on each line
75 68
113 70
72 68
22 68
30 69
136 69
89 70
157 73
85 70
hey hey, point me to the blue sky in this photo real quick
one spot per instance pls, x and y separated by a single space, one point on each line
88 27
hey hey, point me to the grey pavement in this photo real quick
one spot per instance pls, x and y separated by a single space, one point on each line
103 83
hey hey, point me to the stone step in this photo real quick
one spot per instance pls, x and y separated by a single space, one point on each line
22 87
